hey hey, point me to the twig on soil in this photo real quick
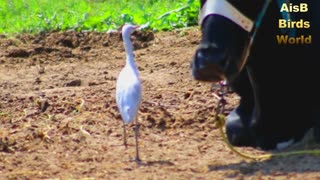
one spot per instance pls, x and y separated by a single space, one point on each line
84 131
44 136
6 147
216 96
81 105
51 117
20 173
25 112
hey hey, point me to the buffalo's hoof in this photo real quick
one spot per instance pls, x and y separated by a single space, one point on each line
237 129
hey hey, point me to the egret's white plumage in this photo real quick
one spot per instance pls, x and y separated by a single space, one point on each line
128 88
128 94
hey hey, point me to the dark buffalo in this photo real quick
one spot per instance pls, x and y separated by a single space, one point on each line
278 83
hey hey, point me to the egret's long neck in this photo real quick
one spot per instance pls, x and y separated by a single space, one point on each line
129 51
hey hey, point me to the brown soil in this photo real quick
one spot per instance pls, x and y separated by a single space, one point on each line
59 119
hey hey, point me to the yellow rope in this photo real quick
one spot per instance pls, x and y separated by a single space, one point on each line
221 119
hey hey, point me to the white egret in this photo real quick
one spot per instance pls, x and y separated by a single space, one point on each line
128 89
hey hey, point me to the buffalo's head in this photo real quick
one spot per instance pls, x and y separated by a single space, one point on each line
227 28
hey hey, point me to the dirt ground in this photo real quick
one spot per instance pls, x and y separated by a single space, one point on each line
59 119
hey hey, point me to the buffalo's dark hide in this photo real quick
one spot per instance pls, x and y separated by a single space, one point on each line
279 85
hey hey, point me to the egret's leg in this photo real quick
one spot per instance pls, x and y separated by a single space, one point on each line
137 143
124 136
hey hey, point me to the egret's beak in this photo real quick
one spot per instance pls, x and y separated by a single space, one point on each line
137 28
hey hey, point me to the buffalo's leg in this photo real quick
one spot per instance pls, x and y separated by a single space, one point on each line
239 120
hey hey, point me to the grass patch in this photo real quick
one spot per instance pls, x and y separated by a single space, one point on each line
32 16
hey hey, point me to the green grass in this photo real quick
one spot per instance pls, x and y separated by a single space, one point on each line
32 16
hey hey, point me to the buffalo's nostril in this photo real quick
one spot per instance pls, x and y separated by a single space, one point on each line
200 59
209 63
206 56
